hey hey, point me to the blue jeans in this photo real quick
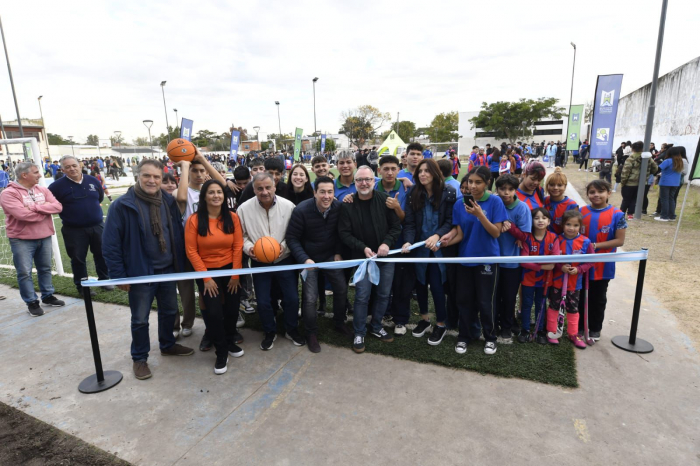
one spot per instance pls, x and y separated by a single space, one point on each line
287 281
433 277
24 253
668 203
140 301
532 295
363 290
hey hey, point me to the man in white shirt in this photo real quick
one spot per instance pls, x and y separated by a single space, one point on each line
268 215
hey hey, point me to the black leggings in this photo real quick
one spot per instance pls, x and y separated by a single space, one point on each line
597 301
476 301
221 312
583 162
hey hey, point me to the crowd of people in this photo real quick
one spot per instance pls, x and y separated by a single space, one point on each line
191 216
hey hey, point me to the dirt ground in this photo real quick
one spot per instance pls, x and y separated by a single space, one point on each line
675 282
25 440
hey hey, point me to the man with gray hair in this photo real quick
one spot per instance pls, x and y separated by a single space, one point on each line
81 195
28 208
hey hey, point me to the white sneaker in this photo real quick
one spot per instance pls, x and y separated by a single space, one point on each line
246 307
659 219
186 332
461 347
400 329
176 333
490 347
241 321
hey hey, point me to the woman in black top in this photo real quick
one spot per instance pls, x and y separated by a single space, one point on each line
298 185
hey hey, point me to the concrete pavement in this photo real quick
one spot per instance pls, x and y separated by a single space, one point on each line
289 406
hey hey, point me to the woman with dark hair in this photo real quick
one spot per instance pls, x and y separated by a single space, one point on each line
169 184
429 217
529 190
671 170
494 166
214 241
299 185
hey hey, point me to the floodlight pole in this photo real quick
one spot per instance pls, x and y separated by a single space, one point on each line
314 81
167 125
641 187
571 96
46 135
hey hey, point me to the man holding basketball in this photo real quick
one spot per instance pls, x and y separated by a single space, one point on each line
268 215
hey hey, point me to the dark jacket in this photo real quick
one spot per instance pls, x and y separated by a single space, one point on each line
310 236
123 242
386 226
413 222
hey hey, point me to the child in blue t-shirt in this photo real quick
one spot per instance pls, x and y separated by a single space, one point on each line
477 225
514 229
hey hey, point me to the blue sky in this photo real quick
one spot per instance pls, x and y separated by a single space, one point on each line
99 64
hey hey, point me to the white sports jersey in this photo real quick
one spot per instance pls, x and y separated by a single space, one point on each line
192 203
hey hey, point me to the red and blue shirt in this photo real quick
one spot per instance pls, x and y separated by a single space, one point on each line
556 210
601 225
532 200
533 275
578 245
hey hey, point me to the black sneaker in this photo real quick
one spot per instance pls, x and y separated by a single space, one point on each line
221 364
523 336
541 338
358 345
594 335
506 334
34 309
382 335
437 335
295 337
422 327
235 350
268 341
237 338
53 301
205 344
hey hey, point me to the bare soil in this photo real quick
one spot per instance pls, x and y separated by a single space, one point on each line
675 282
25 440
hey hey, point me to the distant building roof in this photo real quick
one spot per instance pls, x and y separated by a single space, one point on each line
134 150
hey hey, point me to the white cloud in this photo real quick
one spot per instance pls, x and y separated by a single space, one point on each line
99 64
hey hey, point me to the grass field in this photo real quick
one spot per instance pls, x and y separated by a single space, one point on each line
545 364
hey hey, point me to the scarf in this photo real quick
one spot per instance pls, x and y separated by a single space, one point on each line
154 203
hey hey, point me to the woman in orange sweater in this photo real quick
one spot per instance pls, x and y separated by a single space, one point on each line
214 241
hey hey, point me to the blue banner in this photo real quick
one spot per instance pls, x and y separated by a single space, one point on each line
186 129
323 143
235 140
607 96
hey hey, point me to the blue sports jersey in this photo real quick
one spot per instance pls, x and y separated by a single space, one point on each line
577 245
601 225
342 191
519 215
405 174
477 242
494 164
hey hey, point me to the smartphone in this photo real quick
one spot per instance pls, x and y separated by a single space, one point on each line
468 200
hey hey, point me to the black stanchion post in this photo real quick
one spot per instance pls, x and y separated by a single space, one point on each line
632 344
100 380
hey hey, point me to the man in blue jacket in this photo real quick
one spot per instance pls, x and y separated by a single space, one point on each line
81 195
144 236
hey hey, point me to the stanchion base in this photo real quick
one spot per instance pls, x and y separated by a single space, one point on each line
91 385
640 346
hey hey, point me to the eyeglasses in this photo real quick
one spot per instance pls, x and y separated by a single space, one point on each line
363 180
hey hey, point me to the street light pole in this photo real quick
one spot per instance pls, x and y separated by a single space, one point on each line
650 113
314 81
46 136
167 125
257 136
177 120
277 102
71 145
571 94
148 124
12 83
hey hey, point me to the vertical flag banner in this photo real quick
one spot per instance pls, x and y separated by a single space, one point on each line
186 129
297 143
607 96
235 140
323 143
574 132
695 171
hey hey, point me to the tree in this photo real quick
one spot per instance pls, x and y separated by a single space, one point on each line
141 141
280 141
588 112
515 120
362 123
117 140
162 140
406 131
444 127
330 144
56 139
93 140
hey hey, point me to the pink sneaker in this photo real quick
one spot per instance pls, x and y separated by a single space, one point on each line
552 341
577 341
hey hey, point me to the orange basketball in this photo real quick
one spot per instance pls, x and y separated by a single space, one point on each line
267 249
180 149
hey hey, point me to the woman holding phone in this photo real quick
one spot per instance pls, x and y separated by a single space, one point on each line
477 226
428 217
